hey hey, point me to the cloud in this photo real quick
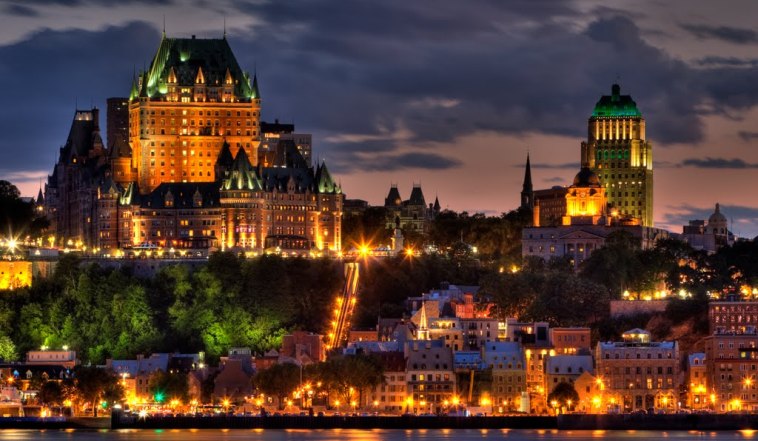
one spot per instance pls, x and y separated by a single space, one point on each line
20 11
719 61
384 82
445 79
724 33
566 165
556 179
22 176
57 71
393 162
747 136
86 3
708 162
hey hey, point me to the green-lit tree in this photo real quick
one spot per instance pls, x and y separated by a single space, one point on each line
7 349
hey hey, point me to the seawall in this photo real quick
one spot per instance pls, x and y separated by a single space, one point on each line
333 422
704 422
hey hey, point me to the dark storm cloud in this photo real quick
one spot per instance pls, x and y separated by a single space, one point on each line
709 162
20 11
84 3
724 33
397 73
748 136
381 63
53 72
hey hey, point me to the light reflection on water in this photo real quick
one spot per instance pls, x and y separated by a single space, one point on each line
369 435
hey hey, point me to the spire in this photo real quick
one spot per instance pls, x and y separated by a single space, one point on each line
40 197
527 190
528 175
423 327
256 94
324 181
135 91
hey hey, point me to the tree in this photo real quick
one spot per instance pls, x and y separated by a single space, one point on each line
17 217
166 386
92 383
348 374
562 394
51 393
7 349
278 380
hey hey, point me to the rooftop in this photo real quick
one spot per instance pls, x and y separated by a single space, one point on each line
616 105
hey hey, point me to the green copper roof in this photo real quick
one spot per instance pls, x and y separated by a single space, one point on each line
324 181
616 105
186 56
242 175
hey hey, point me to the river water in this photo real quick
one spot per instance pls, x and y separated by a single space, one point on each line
371 435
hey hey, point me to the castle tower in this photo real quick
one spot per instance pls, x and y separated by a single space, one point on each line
618 152
192 99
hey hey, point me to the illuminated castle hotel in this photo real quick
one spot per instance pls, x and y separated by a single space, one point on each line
613 190
186 168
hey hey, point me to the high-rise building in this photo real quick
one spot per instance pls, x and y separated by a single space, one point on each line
272 134
117 121
618 152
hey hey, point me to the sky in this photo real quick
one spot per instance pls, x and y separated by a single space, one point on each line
447 94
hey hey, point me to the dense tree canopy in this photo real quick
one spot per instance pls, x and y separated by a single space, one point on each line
18 218
106 313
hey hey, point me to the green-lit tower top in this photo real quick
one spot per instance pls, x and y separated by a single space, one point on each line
186 62
616 105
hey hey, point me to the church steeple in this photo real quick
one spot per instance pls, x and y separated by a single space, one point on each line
423 325
527 190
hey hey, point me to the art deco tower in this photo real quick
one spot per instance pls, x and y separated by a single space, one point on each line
617 151
192 99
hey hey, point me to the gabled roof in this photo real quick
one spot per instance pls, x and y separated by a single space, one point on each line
130 195
324 181
393 197
241 175
417 196
120 149
287 155
225 158
184 194
189 55
83 136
